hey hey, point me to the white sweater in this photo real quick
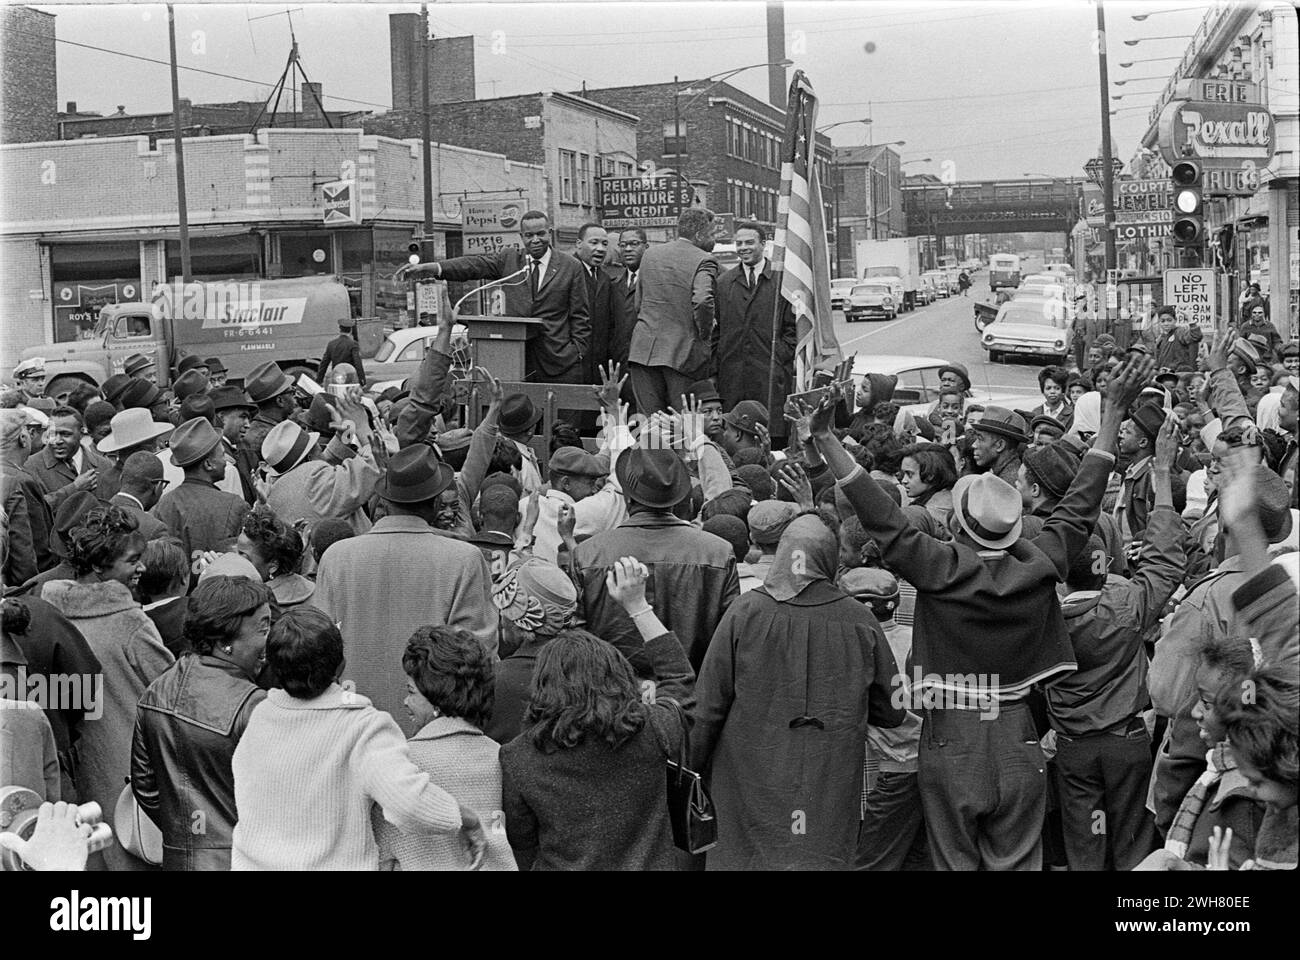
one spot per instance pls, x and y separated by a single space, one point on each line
306 775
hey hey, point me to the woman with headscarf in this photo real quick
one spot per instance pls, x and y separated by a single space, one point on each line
795 672
536 600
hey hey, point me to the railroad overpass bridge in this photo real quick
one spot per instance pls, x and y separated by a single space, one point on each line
1030 205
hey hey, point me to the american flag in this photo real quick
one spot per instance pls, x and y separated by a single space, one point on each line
801 254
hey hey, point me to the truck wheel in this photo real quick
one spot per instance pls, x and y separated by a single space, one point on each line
64 383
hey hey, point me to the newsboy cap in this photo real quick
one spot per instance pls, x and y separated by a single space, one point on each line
577 462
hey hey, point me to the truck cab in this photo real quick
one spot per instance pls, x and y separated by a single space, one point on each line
123 329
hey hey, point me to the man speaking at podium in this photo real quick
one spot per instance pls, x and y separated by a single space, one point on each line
549 287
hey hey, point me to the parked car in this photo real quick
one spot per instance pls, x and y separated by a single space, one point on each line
873 300
840 288
1030 325
939 279
926 293
402 352
918 383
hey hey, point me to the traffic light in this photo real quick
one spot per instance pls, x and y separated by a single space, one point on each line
419 250
1189 205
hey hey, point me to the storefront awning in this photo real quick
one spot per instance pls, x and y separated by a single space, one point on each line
1257 208
146 233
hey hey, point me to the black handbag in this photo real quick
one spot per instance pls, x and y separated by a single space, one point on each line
690 809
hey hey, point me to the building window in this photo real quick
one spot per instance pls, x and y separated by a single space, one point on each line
568 174
584 178
624 169
674 142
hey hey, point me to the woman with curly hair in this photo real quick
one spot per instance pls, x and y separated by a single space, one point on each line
191 719
928 474
583 785
449 696
275 549
105 550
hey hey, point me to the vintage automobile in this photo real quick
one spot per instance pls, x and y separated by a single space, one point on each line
402 352
918 384
1035 326
840 288
872 300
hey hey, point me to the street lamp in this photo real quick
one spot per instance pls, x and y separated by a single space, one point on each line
1128 63
1139 17
1120 83
1134 43
716 78
837 185
832 126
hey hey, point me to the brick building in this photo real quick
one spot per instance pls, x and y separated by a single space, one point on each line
93 221
574 139
729 144
451 64
869 184
31 97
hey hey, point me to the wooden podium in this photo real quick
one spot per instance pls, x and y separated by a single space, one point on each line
498 343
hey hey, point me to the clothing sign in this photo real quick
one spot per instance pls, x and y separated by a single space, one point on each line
342 205
1193 293
489 226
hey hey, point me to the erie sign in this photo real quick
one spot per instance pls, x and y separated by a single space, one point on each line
1193 294
637 202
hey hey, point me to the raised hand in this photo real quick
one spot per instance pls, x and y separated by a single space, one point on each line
795 480
690 419
1218 355
823 415
495 391
626 583
1127 381
612 380
1167 441
1237 493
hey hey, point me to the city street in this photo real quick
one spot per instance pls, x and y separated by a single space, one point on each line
943 329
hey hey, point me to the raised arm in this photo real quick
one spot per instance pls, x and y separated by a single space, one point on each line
429 384
1163 557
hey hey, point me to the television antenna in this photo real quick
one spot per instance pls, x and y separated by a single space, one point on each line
293 70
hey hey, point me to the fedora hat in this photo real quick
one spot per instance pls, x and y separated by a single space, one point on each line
285 446
112 387
189 383
189 363
215 365
1003 422
518 413
746 415
228 397
192 441
988 509
265 381
136 363
1148 417
959 369
68 516
130 428
1246 352
654 478
198 405
415 474
705 391
139 393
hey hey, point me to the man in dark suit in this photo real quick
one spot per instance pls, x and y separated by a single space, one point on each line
342 349
742 337
64 465
624 276
592 252
142 485
550 288
676 303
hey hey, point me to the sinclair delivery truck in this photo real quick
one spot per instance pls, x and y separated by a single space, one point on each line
244 323
899 257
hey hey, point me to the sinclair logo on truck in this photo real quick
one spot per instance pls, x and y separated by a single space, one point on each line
226 306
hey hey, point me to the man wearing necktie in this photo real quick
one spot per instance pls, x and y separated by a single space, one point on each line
742 338
592 251
550 288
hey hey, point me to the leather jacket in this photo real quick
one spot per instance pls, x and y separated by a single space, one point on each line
187 727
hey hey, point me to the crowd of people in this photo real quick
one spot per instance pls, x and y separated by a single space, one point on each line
367 630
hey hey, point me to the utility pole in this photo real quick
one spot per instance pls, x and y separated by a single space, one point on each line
182 211
424 97
1107 173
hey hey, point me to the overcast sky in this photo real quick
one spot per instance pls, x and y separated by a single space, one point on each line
996 89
